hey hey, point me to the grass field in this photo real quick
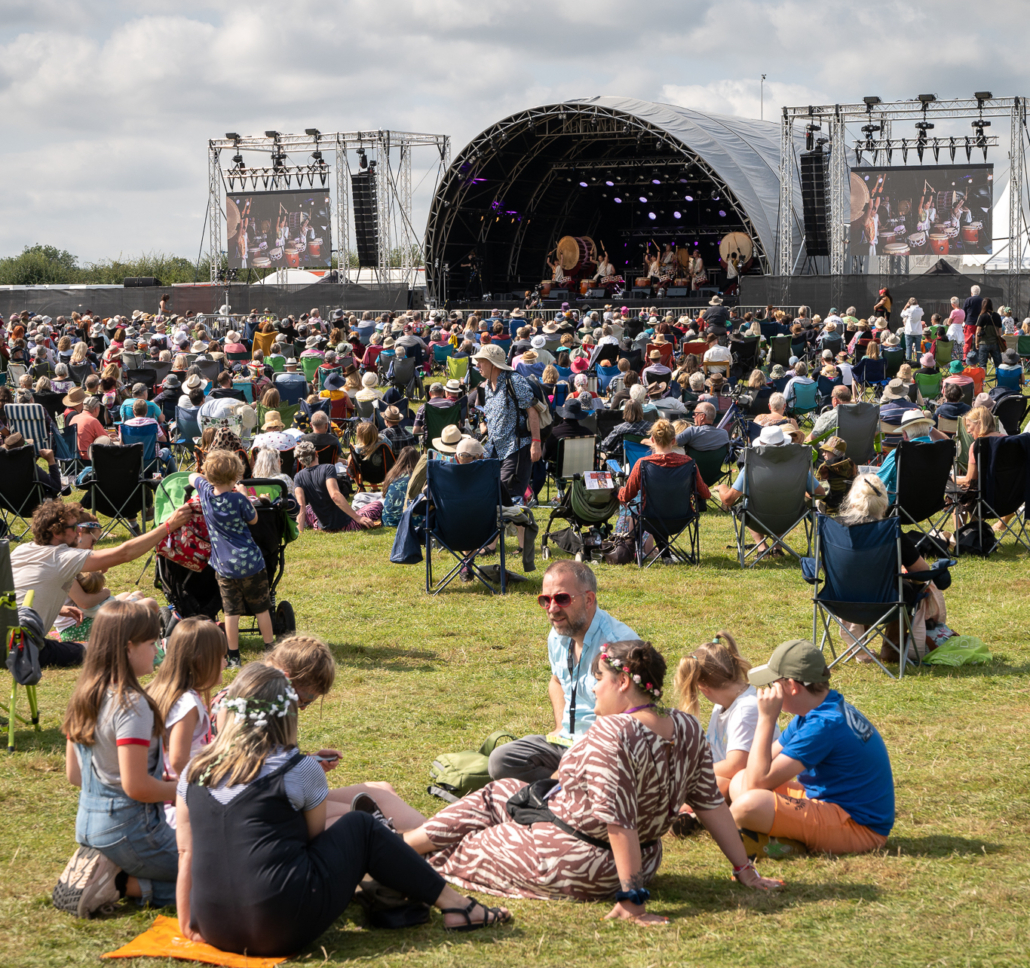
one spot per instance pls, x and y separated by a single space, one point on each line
419 676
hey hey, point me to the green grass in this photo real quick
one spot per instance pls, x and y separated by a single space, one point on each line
418 676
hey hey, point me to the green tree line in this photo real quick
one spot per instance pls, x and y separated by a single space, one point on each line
39 265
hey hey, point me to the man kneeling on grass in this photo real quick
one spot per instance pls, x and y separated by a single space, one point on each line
846 804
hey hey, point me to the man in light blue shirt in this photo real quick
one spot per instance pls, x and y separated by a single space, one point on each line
579 630
915 426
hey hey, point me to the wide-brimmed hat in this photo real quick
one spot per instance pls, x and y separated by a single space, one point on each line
198 347
892 340
659 338
74 397
538 342
273 421
777 372
447 442
311 343
573 410
194 382
895 390
171 382
494 355
370 380
928 359
716 380
392 415
914 417
16 440
580 364
530 356
772 437
834 445
551 327
656 390
335 381
654 355
232 336
715 301
518 312
277 440
453 386
1011 357
389 343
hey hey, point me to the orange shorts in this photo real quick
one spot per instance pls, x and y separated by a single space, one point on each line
821 826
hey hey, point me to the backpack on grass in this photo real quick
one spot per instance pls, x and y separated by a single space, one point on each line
454 775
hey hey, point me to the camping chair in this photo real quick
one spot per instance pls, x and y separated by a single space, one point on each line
668 511
746 353
247 386
464 516
857 426
238 357
607 421
404 377
161 369
441 354
833 343
118 488
144 375
667 351
209 369
893 357
575 457
371 468
15 371
710 463
147 436
632 451
291 391
942 352
277 363
1013 379
826 387
457 367
805 402
924 469
779 351
323 372
187 429
132 360
774 501
20 492
605 375
263 342
929 384
560 395
289 350
79 371
435 419
12 636
862 584
310 365
869 373
1003 484
1010 411
66 450
689 349
50 402
30 420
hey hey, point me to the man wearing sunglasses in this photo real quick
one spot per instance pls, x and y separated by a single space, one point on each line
579 629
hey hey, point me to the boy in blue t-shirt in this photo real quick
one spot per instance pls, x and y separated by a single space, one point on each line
235 556
836 754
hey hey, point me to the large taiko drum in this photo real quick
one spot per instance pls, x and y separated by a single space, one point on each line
941 228
642 282
292 256
315 248
971 232
895 248
736 248
576 252
545 289
917 241
939 243
683 255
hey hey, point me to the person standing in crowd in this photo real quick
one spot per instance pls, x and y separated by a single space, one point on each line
579 630
971 310
912 316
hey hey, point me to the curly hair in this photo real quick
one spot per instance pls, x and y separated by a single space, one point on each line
51 518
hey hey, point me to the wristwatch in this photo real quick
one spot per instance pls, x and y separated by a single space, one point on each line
639 896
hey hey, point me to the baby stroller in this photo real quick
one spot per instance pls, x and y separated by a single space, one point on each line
192 592
581 510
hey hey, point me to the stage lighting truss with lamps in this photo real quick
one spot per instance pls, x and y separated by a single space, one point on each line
875 118
298 161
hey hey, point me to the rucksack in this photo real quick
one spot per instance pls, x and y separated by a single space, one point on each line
976 538
454 775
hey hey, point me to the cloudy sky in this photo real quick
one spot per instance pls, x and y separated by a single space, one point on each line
107 107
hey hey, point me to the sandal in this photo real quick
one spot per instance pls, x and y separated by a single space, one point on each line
491 916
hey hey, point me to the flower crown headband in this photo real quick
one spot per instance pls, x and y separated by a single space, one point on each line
257 711
617 665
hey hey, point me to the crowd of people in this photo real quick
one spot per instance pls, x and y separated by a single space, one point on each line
198 797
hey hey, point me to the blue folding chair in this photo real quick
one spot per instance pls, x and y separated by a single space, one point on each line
291 391
605 375
247 387
561 393
147 436
1013 379
464 516
187 428
440 354
806 400
632 451
564 372
30 420
66 450
668 511
863 584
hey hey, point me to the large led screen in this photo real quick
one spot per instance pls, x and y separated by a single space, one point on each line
924 210
279 230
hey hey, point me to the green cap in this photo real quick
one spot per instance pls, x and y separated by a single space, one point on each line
797 659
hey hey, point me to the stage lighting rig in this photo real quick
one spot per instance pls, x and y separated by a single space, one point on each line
362 158
981 140
922 127
926 99
870 145
233 136
982 96
810 131
870 102
314 133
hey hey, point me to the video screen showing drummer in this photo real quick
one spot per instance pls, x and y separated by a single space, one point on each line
279 230
938 211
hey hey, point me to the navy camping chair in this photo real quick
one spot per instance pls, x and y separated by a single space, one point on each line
1004 484
668 511
605 375
119 489
187 429
20 492
632 451
859 568
464 517
924 470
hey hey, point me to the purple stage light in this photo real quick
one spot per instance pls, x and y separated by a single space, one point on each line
609 183
689 198
651 215
618 201
677 215
643 200
722 214
582 184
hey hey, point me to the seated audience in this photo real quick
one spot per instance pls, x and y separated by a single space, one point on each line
322 504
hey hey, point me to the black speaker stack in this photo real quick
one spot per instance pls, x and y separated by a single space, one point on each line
814 203
366 226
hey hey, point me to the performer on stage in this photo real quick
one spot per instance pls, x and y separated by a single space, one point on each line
652 266
558 276
605 272
871 228
698 276
923 220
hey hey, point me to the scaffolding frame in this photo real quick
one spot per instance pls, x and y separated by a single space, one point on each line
834 119
389 154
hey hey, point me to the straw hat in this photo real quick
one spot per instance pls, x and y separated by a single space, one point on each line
495 356
447 442
530 356
273 422
75 397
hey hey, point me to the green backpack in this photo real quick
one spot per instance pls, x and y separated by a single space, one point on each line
454 775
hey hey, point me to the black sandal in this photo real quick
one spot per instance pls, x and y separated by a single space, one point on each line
491 916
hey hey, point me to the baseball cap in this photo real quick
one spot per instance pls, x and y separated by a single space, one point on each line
796 659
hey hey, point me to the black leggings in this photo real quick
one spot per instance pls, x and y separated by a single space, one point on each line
340 857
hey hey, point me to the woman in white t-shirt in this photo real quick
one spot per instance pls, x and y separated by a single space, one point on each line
718 671
194 660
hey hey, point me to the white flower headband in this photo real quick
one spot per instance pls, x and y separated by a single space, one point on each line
257 711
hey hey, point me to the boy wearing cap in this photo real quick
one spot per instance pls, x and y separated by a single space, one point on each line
837 755
837 471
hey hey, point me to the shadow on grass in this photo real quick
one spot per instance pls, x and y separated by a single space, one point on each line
26 740
940 845
394 658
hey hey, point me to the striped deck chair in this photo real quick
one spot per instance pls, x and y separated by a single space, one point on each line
30 420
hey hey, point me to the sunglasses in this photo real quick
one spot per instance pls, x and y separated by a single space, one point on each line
88 526
562 600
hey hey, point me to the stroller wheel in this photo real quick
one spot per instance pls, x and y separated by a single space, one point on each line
545 552
284 622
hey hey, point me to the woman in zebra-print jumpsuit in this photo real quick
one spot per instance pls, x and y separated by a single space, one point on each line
623 783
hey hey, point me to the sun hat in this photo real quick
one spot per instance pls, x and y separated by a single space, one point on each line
834 445
453 386
777 372
715 301
912 417
335 381
311 343
895 390
573 410
447 442
273 421
392 415
171 382
551 327
538 342
74 397
16 440
580 364
797 659
530 356
471 447
493 355
1011 357
232 336
955 366
194 382
892 340
928 359
654 355
772 436
198 347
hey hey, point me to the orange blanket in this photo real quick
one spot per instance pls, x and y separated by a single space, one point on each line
164 941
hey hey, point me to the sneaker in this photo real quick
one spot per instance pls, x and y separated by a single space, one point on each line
758 845
684 825
233 661
87 884
363 803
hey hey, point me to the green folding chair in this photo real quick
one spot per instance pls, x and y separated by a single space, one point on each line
929 384
310 365
457 367
278 363
16 639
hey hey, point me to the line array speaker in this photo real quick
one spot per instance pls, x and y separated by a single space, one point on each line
814 203
366 225
139 282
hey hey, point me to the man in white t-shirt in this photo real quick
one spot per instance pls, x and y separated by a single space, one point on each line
49 563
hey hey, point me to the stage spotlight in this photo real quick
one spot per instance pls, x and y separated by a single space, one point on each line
656 181
904 151
951 148
617 200
979 95
271 134
926 99
714 195
232 136
238 159
583 184
969 149
689 198
609 183
362 158
643 200
871 101
858 154
651 215
314 132
722 213
936 150
677 215
810 131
